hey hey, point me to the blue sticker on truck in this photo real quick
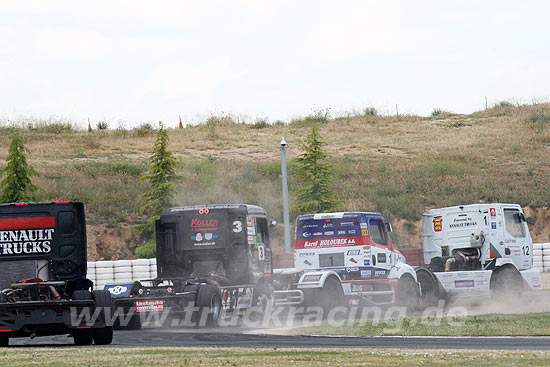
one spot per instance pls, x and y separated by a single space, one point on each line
493 225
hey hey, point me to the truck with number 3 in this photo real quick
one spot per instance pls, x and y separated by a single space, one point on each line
214 257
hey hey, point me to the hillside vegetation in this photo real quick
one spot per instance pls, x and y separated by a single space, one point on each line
399 165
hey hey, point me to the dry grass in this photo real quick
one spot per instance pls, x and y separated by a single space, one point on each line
275 357
397 165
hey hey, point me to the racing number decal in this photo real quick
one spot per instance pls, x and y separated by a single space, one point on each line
261 253
237 226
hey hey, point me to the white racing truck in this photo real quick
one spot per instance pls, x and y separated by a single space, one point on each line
477 250
346 258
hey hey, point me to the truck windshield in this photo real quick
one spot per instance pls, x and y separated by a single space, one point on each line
327 228
514 225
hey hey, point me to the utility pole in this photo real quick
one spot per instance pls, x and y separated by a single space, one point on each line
286 215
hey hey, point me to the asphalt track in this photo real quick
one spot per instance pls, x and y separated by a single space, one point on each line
193 338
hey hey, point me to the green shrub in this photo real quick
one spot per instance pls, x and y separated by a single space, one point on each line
370 111
147 250
54 127
504 104
437 112
260 124
318 116
539 119
145 129
102 125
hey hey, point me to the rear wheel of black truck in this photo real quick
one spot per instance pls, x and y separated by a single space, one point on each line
103 300
209 301
4 340
82 335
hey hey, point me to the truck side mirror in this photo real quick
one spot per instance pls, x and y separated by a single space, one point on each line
273 223
389 227
522 217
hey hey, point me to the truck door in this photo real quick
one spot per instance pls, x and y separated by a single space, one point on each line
261 247
382 257
516 238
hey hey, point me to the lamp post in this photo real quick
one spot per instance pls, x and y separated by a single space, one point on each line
286 215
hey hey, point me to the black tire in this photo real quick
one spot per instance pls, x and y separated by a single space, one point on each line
82 336
103 336
81 295
263 298
209 300
4 340
330 296
429 294
408 293
3 298
133 324
506 284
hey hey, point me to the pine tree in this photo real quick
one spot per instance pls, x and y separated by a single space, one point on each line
17 183
161 177
314 194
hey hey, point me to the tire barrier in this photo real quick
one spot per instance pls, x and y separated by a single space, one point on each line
121 271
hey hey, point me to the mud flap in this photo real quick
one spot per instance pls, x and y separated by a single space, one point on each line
532 279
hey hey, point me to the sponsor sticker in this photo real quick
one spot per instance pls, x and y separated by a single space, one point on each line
341 232
438 224
306 234
210 236
318 233
364 232
118 290
366 262
493 212
329 233
307 262
26 236
364 226
353 260
464 283
493 225
352 231
156 305
353 252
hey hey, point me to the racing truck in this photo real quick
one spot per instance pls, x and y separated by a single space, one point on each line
214 258
478 250
44 290
346 258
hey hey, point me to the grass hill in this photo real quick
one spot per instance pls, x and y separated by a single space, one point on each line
398 165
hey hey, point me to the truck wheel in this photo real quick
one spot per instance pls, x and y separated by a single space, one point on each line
330 296
82 336
264 297
209 300
407 293
103 336
428 288
3 298
506 282
4 340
